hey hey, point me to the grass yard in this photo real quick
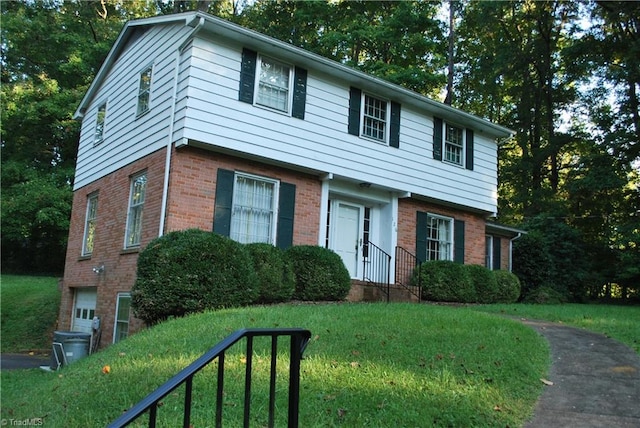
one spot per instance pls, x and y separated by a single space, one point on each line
29 310
619 322
379 365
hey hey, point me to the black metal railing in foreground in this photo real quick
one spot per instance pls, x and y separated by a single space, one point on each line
406 264
377 268
299 340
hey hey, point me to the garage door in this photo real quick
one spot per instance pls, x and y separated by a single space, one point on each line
84 309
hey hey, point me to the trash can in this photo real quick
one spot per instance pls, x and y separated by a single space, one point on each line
69 346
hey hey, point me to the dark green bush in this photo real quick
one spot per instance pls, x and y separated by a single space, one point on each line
545 295
484 282
508 286
446 281
276 282
532 262
320 273
190 271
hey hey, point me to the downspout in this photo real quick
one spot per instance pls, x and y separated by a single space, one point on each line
167 162
511 250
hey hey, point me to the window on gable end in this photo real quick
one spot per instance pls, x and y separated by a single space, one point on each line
144 91
100 117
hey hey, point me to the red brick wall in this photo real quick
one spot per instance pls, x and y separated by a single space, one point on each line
193 188
191 202
474 228
119 265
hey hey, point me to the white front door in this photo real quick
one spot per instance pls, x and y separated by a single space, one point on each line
84 309
347 235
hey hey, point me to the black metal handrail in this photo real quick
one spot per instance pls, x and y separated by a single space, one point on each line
406 264
299 340
377 267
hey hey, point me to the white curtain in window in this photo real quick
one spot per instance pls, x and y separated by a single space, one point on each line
443 237
252 215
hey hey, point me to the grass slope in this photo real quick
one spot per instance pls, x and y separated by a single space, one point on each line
379 365
29 310
619 322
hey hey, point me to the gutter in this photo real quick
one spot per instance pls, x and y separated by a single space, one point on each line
518 236
167 162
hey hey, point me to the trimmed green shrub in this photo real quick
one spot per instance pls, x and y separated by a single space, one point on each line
276 282
446 281
508 286
532 262
544 295
190 271
484 282
320 273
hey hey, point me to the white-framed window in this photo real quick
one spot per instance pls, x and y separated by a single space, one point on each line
100 117
439 237
144 91
254 209
274 83
375 118
453 144
123 310
136 204
90 224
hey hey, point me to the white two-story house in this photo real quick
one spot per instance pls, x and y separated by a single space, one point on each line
193 121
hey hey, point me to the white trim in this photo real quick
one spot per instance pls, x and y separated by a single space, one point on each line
83 250
132 180
451 221
138 93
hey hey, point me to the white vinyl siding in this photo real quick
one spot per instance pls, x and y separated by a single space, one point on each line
253 213
136 206
273 86
439 238
90 225
375 118
207 111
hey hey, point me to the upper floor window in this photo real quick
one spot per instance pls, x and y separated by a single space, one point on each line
102 113
439 238
144 91
90 225
137 193
453 144
274 85
253 214
374 118
269 83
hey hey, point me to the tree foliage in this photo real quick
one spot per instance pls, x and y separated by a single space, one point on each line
563 75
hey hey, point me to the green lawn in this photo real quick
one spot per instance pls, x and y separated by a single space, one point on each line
29 310
366 365
619 322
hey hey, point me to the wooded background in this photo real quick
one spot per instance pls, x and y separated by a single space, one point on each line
564 75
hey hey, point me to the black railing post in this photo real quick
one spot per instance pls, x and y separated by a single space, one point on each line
294 380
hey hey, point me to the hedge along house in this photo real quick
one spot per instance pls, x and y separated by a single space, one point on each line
193 121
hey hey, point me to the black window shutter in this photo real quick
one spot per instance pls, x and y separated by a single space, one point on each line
286 209
496 253
394 129
421 236
299 93
437 138
247 75
469 150
458 241
224 200
355 98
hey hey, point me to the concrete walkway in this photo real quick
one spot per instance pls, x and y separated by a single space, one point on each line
596 381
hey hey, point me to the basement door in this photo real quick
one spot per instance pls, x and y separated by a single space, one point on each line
84 309
348 235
